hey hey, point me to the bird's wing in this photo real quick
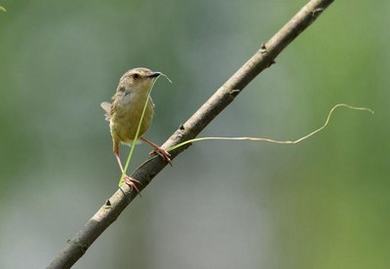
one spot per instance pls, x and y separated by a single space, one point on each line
107 108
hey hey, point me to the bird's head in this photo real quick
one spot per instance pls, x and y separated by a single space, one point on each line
137 80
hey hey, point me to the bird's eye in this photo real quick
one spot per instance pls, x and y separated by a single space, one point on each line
135 76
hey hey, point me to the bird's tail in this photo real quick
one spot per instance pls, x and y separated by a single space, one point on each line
107 108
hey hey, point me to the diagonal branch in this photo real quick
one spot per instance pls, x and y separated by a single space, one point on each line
261 60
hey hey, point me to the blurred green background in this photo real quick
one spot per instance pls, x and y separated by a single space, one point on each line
324 203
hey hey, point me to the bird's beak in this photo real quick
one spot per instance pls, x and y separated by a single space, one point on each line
154 74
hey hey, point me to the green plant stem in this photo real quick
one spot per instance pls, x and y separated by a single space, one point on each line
270 140
133 145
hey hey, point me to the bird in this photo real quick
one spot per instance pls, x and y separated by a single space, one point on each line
125 111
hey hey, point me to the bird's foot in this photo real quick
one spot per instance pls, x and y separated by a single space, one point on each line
132 183
163 153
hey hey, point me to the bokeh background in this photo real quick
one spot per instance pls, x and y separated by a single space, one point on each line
324 203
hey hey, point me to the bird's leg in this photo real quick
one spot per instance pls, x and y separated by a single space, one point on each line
158 150
131 182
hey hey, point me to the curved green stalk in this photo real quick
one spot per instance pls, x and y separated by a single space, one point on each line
132 147
270 140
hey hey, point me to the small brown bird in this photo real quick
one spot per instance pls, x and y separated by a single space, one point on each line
125 110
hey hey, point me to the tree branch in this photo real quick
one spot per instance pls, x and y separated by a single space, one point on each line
261 60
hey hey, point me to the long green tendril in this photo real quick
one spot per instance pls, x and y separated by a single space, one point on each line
270 140
132 148
243 138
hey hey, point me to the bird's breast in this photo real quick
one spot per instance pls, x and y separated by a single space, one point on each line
125 120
